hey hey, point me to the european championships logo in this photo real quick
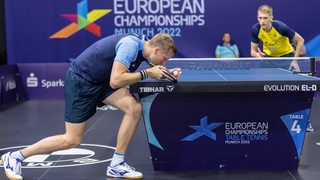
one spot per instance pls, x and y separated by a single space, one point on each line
82 20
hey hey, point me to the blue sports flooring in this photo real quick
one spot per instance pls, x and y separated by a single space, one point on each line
30 121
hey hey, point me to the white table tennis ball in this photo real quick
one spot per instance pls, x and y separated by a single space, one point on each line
175 73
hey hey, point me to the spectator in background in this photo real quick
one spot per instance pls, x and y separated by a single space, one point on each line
227 49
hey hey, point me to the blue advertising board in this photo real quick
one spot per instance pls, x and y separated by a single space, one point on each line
223 131
59 30
11 88
43 80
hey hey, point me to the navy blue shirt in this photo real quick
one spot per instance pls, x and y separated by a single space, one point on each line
95 63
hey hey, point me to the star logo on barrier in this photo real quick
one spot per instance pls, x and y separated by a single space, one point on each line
81 20
204 129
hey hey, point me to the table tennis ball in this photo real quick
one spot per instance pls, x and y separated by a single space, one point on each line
175 73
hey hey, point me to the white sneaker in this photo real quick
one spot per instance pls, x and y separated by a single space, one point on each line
12 166
124 170
309 127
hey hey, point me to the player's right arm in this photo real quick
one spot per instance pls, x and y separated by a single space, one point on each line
255 51
120 77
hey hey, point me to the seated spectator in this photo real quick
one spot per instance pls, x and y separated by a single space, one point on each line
227 49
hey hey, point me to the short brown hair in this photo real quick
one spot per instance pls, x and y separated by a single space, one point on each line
164 41
266 9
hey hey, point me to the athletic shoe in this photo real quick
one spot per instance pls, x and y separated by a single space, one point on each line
309 127
12 166
124 170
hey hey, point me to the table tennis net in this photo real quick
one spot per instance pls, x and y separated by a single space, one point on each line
305 64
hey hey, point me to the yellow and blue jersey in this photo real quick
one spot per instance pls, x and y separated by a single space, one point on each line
276 42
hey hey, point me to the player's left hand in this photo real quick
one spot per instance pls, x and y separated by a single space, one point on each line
176 72
156 72
294 64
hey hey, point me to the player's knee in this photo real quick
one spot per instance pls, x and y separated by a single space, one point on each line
134 108
138 108
72 142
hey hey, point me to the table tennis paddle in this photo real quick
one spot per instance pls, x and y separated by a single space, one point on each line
174 79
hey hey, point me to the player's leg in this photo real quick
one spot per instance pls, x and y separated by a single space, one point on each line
71 138
132 108
80 105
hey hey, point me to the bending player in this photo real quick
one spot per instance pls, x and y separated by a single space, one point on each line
101 74
275 37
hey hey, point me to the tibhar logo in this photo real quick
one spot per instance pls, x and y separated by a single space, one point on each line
81 20
145 89
32 81
86 154
170 88
204 129
151 89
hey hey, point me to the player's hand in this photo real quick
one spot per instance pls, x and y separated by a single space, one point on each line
295 66
157 72
260 54
176 72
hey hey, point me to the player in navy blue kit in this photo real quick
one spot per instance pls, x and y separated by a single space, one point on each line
101 74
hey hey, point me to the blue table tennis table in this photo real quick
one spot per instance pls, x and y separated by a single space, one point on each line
211 119
246 80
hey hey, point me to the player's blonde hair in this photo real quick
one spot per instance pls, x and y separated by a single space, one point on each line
266 9
164 41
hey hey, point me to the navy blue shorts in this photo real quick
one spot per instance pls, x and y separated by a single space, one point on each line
82 97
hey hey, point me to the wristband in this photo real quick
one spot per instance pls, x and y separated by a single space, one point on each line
143 74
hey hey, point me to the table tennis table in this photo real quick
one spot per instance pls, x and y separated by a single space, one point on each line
250 118
247 80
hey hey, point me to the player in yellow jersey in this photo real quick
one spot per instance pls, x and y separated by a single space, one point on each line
275 36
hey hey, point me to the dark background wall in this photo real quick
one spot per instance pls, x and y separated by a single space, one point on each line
3 49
